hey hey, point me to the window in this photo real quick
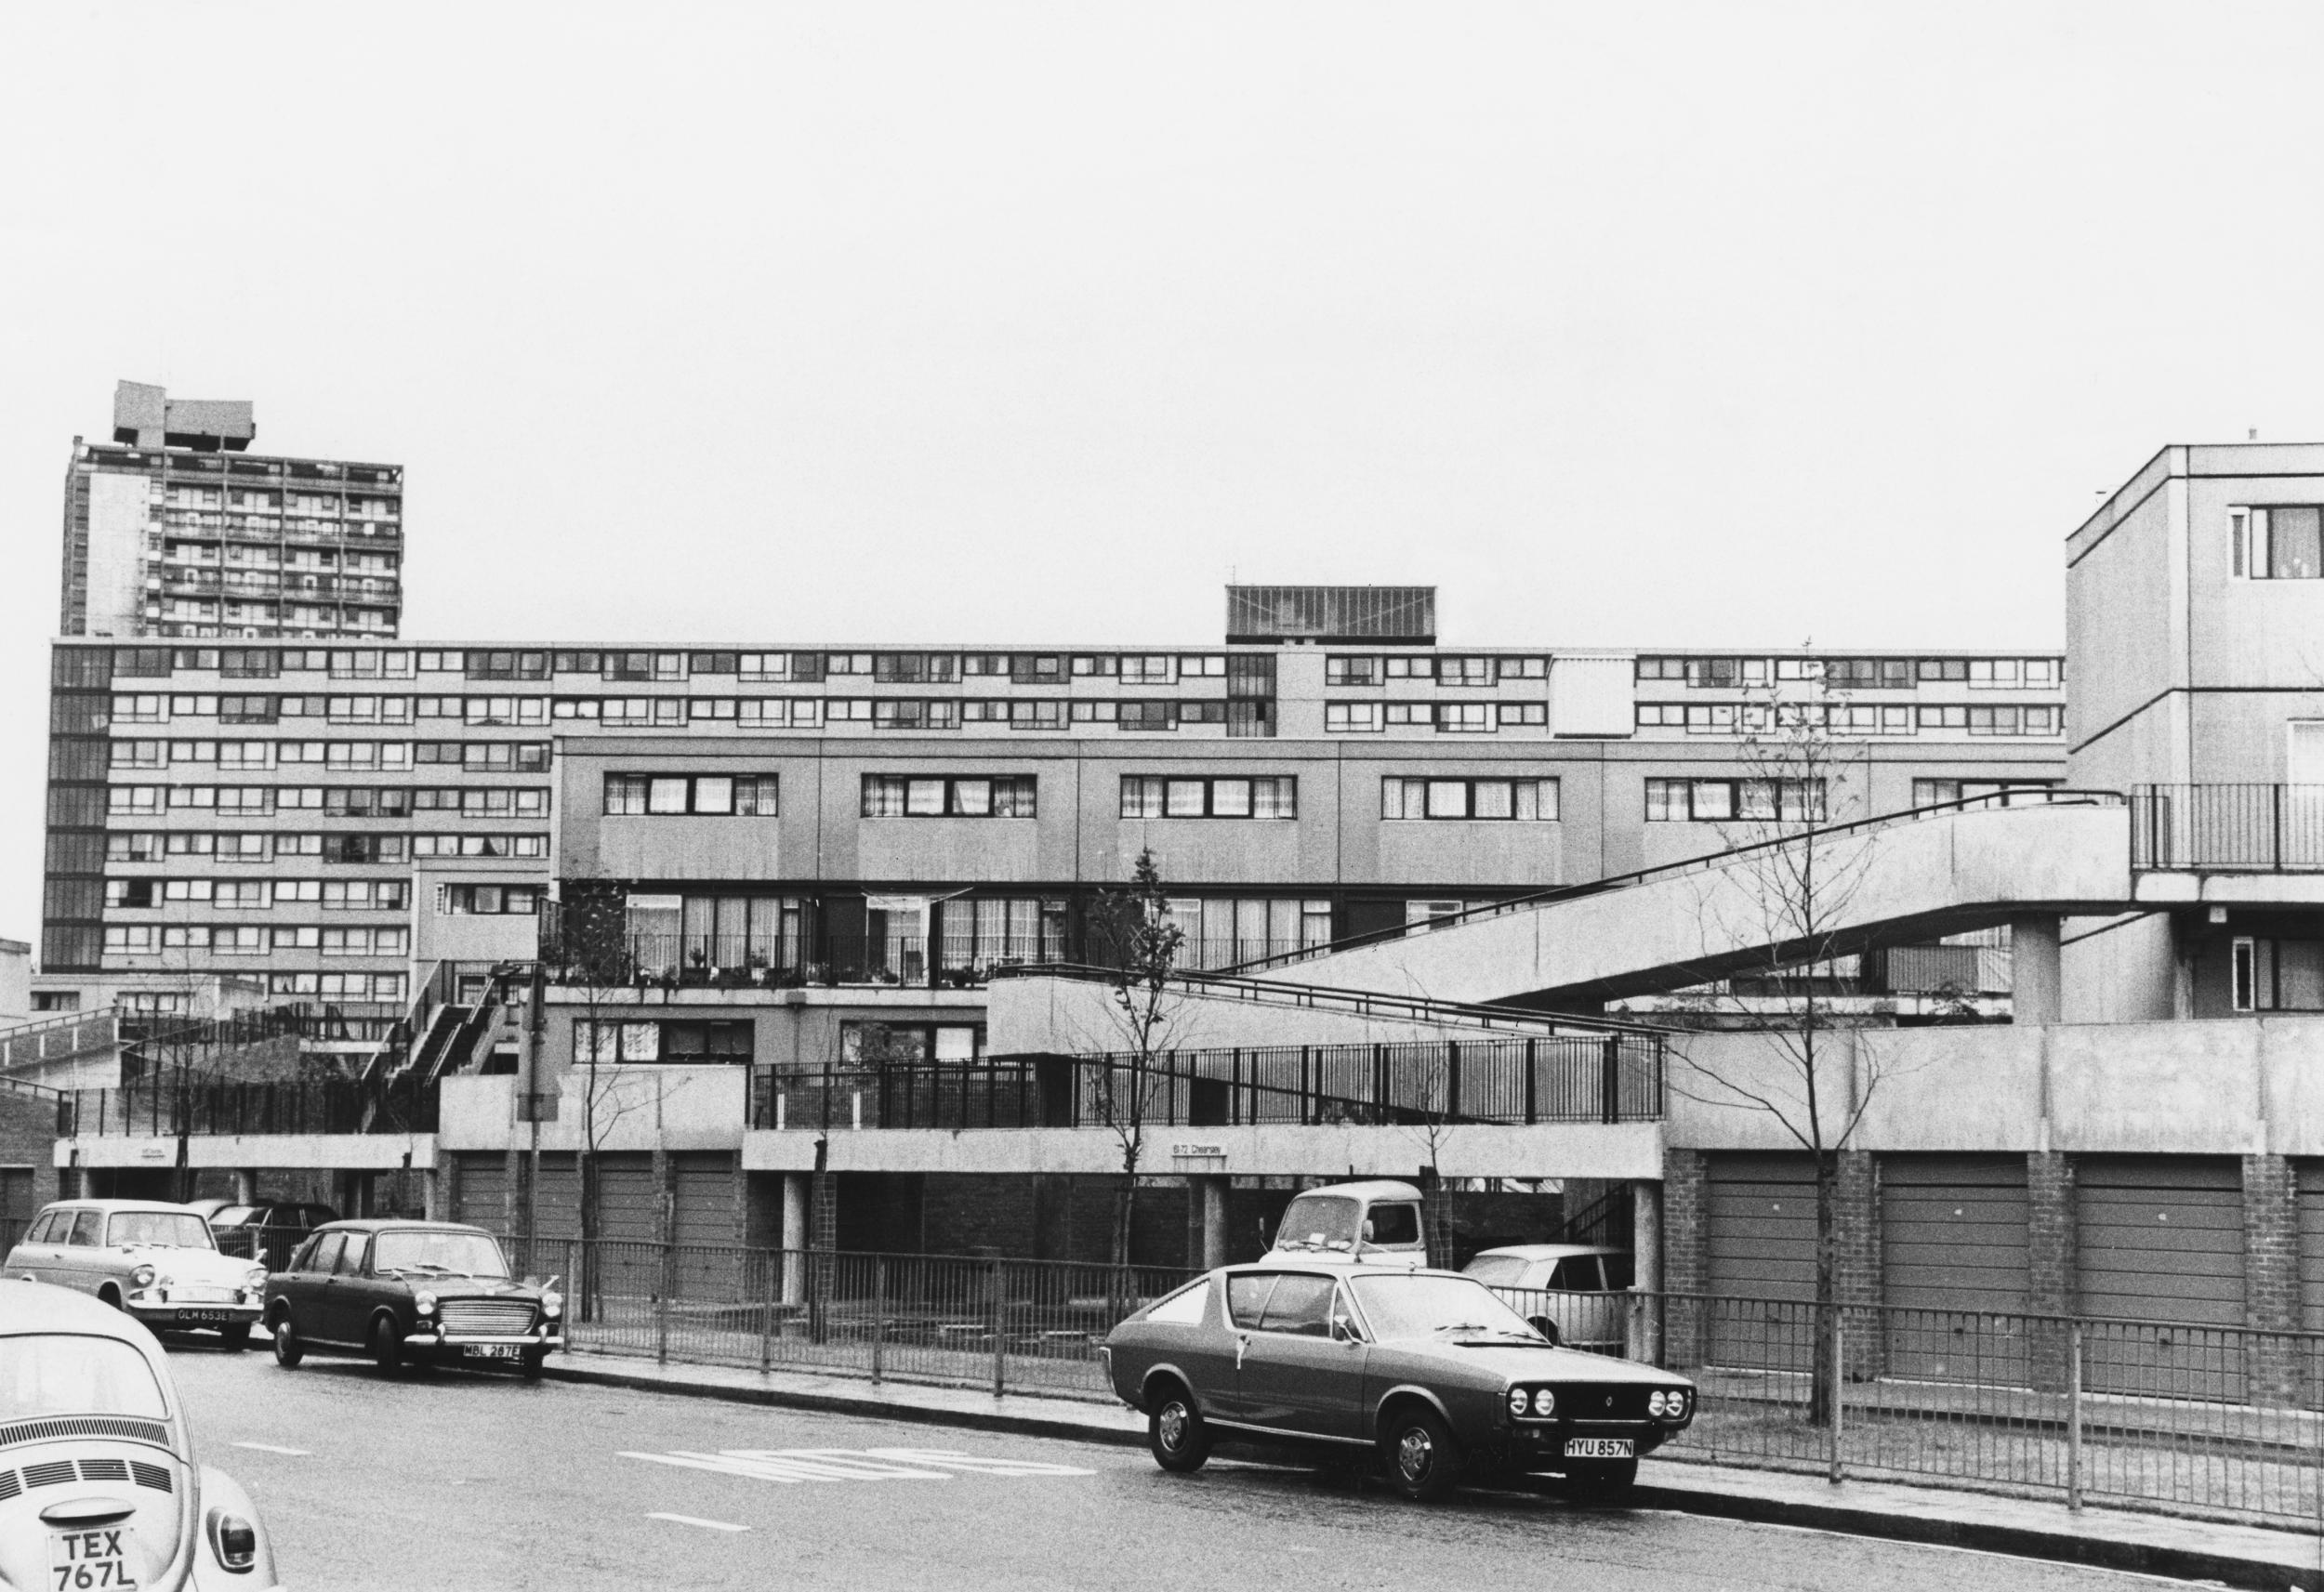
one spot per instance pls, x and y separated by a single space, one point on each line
910 713
2002 793
1525 714
1351 717
1266 796
1719 801
1222 931
1465 718
978 933
488 900
1467 672
911 795
740 796
2284 543
2277 975
1524 801
1351 672
676 1042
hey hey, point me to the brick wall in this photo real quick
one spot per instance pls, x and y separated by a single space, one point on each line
1685 1221
2271 1276
2050 1262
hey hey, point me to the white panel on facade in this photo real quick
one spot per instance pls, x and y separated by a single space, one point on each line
1591 696
116 547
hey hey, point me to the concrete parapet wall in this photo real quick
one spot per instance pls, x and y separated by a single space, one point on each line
290 1152
1077 1017
639 1107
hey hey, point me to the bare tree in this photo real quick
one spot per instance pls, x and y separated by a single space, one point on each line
1785 899
1141 947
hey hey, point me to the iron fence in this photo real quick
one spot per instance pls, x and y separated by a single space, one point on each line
1594 1078
2227 828
165 1110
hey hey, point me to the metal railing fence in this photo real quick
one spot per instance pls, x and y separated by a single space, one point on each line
2227 828
165 1109
1578 1078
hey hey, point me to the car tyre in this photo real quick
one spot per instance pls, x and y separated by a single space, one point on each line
387 1345
236 1338
1424 1459
529 1367
1607 1481
1177 1433
288 1350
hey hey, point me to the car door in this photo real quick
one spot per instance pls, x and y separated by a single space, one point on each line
78 1263
1295 1375
347 1300
295 1286
312 1291
36 1256
1245 1306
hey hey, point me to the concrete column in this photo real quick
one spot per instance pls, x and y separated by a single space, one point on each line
2049 1261
2271 1276
246 1187
2036 990
1646 1244
794 1238
433 1205
1213 1195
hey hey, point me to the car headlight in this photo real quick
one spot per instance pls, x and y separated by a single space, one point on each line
254 1278
1544 1403
141 1278
1520 1400
235 1540
423 1302
553 1304
1654 1402
1674 1402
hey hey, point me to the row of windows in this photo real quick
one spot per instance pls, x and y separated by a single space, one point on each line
1717 801
146 846
1446 717
474 801
1266 796
745 795
1852 718
489 901
332 895
252 939
1445 671
895 795
676 1042
1523 801
1857 674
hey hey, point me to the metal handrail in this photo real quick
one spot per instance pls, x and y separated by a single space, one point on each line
1557 893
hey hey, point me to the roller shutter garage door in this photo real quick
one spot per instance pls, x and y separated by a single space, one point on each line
1955 1266
2159 1247
2311 1219
481 1196
702 1219
1759 1242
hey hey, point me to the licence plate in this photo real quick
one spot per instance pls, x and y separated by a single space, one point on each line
203 1318
1600 1448
84 1561
491 1351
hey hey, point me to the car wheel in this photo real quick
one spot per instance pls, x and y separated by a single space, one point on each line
529 1367
288 1350
1177 1433
109 1295
236 1338
1609 1481
387 1345
1424 1459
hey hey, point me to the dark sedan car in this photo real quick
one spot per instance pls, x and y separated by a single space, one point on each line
1428 1370
407 1292
267 1233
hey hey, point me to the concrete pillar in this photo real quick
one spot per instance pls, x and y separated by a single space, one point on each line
794 1238
1213 1195
1646 1244
434 1204
2049 1261
246 1187
2037 994
2271 1276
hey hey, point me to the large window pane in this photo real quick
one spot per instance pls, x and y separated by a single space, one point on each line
713 794
666 796
1448 799
2296 543
1182 798
1230 798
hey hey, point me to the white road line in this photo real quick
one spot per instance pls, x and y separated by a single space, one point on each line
692 1520
271 1448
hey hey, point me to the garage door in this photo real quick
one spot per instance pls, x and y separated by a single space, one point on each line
2311 1219
2159 1253
1759 1242
480 1193
1955 1266
702 1219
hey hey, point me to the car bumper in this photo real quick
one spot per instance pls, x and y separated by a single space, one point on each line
457 1340
155 1314
1545 1443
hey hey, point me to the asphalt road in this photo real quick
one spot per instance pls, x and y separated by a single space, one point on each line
446 1478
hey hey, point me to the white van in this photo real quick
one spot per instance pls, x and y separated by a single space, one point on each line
1371 1224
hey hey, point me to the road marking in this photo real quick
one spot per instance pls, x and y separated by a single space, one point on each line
271 1448
791 1465
692 1520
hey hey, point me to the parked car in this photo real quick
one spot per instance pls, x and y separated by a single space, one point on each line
411 1292
1427 1370
98 1487
1575 1285
156 1261
267 1233
1374 1223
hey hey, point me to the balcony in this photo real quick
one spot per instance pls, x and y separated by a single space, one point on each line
209 1106
778 962
2227 829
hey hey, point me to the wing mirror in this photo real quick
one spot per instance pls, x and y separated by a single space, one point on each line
1343 1330
1546 1327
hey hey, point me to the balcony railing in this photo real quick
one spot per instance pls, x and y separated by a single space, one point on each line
1582 1078
2227 828
165 1109
780 961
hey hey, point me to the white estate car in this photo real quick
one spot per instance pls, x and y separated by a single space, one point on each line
156 1261
1576 1285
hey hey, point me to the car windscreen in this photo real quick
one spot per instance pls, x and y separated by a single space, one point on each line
456 1253
1497 1271
59 1373
233 1215
1410 1306
1318 1221
171 1229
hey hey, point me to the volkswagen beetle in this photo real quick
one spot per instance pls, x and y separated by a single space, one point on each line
404 1291
159 1262
98 1483
1427 1370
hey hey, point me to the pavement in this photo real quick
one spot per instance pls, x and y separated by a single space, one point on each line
2169 1545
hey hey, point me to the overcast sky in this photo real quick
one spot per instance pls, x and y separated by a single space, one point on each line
1622 325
